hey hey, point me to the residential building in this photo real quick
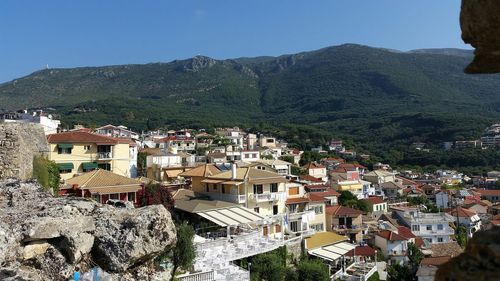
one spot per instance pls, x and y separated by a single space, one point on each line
199 173
49 124
117 132
430 191
77 152
379 177
429 266
250 155
262 191
468 144
492 195
295 153
336 145
216 157
180 142
102 185
392 245
376 205
268 142
345 221
432 227
443 199
467 218
391 189
281 167
316 170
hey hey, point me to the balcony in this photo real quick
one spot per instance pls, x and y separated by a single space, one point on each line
233 198
268 196
104 155
297 215
347 228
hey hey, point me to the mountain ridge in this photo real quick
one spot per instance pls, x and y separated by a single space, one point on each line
352 91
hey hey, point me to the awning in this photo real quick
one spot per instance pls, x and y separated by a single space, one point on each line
114 190
65 145
89 166
65 166
232 216
211 181
173 173
324 254
340 248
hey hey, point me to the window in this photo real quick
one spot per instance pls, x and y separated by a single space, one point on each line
206 188
96 197
131 196
440 239
223 188
86 147
294 226
246 155
64 150
293 190
65 171
440 227
256 209
318 209
415 227
292 207
114 196
104 166
274 187
257 189
254 155
275 209
428 227
214 186
317 227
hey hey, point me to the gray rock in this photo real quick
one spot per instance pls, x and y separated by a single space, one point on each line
126 238
53 227
75 247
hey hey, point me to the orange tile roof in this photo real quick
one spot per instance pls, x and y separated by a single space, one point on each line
297 200
342 211
313 165
405 232
201 171
488 192
310 178
374 200
364 251
101 178
391 236
84 137
462 212
330 192
435 260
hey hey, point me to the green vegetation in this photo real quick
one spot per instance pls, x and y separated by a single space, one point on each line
46 172
397 272
374 277
415 256
380 100
348 199
461 235
184 252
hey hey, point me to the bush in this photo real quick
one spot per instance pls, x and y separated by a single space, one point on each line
46 172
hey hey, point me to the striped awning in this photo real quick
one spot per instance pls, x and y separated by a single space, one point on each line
340 248
65 166
232 216
324 254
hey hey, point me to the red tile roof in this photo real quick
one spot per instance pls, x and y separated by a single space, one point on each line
419 241
391 236
330 192
313 165
297 200
374 200
365 251
340 160
496 217
84 137
407 181
405 232
342 211
310 178
462 212
435 261
488 192
174 138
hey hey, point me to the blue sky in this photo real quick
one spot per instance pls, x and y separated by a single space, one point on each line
71 33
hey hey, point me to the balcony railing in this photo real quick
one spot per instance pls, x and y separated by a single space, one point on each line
233 198
297 215
268 196
347 228
200 276
104 155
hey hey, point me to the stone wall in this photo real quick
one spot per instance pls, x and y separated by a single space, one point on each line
19 143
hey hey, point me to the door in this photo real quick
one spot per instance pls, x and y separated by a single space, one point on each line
265 231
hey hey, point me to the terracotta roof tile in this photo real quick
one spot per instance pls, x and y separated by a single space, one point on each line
405 232
102 178
84 137
374 200
391 236
435 260
310 178
364 251
488 192
342 211
313 165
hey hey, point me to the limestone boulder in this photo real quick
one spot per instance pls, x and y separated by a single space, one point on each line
127 237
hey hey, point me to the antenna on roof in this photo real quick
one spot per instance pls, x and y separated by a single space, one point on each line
47 66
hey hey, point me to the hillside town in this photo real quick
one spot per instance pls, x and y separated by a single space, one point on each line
246 194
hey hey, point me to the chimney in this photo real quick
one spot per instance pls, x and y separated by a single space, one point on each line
233 171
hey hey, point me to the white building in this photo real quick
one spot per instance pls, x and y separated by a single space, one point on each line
117 132
281 167
49 124
432 227
467 218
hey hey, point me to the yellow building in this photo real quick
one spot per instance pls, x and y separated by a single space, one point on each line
262 191
77 152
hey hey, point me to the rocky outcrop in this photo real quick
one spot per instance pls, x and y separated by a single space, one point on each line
19 143
479 262
45 238
480 23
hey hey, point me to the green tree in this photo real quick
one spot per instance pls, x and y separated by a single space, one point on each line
397 272
313 270
183 254
374 277
269 266
461 235
414 255
46 172
141 163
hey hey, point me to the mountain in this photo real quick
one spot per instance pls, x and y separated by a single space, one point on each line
377 97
